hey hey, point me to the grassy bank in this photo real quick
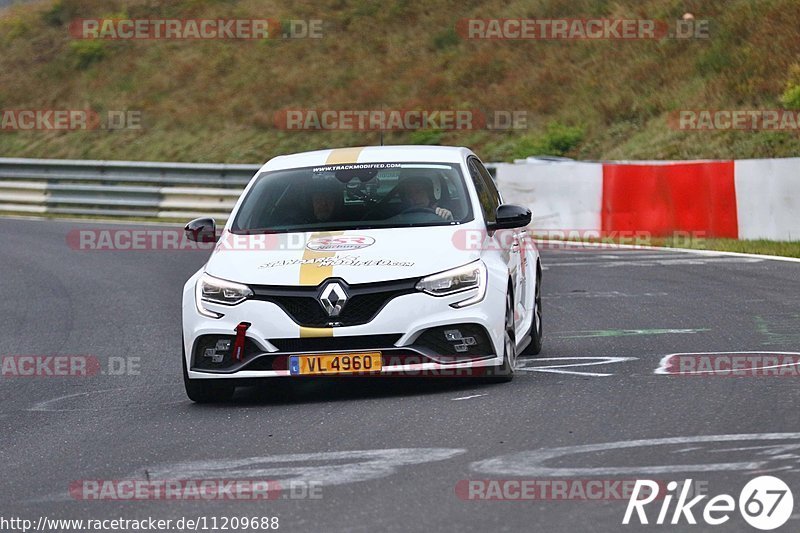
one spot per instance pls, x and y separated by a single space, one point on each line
757 246
215 101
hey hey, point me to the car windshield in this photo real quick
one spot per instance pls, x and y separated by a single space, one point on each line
356 196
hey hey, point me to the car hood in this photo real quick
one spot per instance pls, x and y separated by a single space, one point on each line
356 256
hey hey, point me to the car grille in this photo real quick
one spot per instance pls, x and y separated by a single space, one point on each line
336 344
364 302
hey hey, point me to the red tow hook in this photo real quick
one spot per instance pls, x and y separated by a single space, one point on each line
238 344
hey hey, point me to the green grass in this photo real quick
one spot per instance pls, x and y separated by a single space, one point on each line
762 247
215 101
759 246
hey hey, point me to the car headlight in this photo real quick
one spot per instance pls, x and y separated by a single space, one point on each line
465 278
218 291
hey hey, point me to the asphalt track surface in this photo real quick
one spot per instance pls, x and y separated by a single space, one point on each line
390 455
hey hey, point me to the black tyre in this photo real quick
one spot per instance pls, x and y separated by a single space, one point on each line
206 390
535 333
505 372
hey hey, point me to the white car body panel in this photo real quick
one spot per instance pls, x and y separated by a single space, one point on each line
413 252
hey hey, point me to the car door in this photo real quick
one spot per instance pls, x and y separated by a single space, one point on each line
508 241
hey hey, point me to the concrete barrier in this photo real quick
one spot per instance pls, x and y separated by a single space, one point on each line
561 195
768 198
746 199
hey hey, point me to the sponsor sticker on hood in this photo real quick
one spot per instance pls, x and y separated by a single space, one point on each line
339 243
347 260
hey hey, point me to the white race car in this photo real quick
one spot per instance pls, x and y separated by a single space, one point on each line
374 261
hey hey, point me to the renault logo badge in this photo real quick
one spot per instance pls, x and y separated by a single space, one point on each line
332 298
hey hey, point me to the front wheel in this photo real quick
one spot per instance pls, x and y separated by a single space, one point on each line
505 372
535 346
206 390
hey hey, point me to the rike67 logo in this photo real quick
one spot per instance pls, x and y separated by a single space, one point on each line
765 503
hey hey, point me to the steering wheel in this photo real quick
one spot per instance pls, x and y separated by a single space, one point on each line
418 209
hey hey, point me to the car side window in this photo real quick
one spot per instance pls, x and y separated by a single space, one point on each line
489 180
488 199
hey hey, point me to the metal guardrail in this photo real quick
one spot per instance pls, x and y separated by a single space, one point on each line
121 188
125 189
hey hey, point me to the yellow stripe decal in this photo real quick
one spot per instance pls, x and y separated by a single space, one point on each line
312 275
315 332
310 272
344 156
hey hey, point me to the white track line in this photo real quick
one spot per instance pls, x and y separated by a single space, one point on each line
684 250
468 397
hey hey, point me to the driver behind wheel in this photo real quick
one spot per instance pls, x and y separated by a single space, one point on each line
417 192
326 199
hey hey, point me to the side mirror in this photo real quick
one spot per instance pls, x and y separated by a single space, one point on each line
201 230
509 216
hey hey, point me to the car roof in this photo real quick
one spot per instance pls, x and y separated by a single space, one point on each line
369 154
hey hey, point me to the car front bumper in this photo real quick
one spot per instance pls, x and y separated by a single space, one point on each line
407 319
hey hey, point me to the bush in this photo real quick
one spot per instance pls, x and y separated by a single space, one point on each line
446 39
791 96
55 16
431 137
87 52
558 140
13 28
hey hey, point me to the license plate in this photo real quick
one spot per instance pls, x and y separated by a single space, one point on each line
343 363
